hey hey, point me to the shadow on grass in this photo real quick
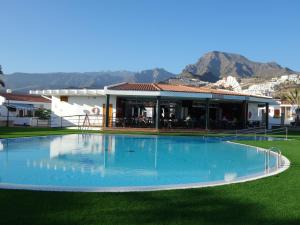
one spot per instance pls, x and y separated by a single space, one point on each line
198 206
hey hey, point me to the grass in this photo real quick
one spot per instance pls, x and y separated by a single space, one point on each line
13 132
272 200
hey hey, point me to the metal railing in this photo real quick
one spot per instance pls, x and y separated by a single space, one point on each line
23 121
256 131
132 122
267 160
279 159
79 121
98 121
269 132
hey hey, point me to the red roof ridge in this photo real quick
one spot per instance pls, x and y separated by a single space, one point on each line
177 88
24 97
156 86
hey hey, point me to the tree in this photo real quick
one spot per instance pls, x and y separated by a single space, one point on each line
293 97
1 81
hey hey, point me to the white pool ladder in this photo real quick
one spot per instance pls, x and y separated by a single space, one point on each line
268 156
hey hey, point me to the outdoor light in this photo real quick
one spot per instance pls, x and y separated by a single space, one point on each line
8 91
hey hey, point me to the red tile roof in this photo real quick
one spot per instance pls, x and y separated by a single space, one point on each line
135 87
24 98
173 88
182 88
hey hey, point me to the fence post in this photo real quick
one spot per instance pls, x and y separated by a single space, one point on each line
265 160
7 113
286 133
61 120
265 132
78 122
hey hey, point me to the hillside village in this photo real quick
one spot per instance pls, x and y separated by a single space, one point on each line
266 88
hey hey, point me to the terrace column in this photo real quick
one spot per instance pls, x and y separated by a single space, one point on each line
207 114
107 111
157 112
267 116
245 113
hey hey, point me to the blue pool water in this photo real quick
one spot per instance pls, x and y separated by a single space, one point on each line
101 161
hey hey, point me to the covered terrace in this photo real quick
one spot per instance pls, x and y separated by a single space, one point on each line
164 106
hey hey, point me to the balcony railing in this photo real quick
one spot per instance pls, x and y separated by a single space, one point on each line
98 121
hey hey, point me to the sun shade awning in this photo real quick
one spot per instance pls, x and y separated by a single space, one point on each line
20 106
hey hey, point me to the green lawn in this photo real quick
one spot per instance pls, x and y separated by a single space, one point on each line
12 132
272 200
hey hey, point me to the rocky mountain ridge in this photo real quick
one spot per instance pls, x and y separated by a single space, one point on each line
211 67
215 65
23 82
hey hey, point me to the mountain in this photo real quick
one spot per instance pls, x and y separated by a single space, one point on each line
154 75
211 67
23 82
215 65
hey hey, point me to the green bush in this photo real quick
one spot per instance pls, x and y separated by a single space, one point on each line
43 114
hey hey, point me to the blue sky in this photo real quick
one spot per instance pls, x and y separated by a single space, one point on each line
80 36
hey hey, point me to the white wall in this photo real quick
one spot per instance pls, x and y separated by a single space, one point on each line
78 105
274 121
257 114
3 112
2 100
272 108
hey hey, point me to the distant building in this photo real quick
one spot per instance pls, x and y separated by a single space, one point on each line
269 87
20 108
188 82
229 83
280 114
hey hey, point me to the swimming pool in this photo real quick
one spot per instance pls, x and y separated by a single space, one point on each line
107 162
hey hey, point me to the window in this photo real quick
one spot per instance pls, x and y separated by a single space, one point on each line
29 113
64 98
276 113
21 113
288 112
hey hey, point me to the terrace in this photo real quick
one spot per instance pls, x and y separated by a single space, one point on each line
163 106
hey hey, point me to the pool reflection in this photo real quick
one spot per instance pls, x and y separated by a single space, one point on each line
97 160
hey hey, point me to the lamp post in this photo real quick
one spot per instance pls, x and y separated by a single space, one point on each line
8 91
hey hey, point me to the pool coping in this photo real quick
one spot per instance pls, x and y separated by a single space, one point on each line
256 176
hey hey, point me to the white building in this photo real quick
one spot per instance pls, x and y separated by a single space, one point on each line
157 106
73 105
2 100
279 114
19 109
229 82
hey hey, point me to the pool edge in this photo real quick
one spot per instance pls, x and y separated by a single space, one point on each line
285 166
